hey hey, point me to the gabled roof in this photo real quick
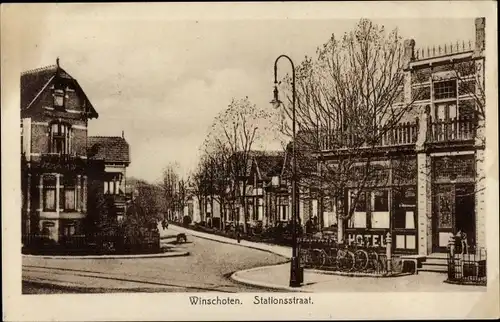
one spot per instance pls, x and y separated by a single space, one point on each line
34 81
108 148
269 163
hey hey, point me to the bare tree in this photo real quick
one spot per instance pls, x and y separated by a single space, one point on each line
235 132
215 160
350 99
169 186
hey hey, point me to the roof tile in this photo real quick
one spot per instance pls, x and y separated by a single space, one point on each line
109 148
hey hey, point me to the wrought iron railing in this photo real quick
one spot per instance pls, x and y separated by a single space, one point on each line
467 267
454 129
445 49
327 254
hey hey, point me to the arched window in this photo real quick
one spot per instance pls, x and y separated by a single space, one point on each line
60 138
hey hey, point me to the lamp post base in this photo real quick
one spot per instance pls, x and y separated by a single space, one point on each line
296 273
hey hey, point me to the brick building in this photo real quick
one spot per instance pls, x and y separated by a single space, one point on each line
432 162
58 159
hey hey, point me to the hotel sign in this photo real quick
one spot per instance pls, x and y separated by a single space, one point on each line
367 238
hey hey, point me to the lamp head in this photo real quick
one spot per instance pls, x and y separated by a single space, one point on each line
275 102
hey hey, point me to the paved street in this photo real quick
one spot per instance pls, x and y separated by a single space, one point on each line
207 269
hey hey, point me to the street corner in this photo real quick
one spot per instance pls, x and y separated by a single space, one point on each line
265 277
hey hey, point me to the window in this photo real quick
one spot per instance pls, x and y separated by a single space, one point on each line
68 193
371 209
445 89
68 229
283 212
360 205
59 98
49 199
445 111
358 219
467 87
421 93
466 108
381 201
380 206
260 211
60 136
69 198
405 201
49 193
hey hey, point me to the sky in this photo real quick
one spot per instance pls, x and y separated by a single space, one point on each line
162 79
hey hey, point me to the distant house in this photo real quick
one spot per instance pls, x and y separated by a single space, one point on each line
114 152
56 166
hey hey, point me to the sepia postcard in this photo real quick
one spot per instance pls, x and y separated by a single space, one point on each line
249 161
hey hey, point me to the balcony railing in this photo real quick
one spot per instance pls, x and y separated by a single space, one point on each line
400 134
454 129
61 162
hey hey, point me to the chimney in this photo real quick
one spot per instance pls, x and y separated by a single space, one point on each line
480 36
123 134
57 62
409 52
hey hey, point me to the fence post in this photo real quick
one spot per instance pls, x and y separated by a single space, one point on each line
451 246
388 251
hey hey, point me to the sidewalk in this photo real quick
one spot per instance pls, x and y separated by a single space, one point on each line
277 276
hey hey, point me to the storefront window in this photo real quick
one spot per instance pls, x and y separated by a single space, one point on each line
381 201
358 219
380 209
404 208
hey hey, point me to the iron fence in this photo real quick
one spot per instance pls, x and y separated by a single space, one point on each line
327 254
467 267
92 243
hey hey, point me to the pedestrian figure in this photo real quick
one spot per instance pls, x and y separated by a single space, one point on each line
238 236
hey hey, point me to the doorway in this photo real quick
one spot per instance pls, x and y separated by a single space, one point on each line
465 219
453 210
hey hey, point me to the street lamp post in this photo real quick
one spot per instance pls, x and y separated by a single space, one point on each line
296 274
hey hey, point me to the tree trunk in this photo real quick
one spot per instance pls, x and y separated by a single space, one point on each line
222 215
245 208
200 205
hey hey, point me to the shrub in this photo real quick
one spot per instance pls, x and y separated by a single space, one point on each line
186 220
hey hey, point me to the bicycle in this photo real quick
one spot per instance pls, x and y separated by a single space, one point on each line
373 260
345 258
361 257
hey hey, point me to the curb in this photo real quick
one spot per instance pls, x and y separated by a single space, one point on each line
162 255
246 281
354 274
230 243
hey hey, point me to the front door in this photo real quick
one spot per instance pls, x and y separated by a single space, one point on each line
453 211
443 221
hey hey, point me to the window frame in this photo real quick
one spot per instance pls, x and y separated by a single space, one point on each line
445 94
60 135
45 206
368 213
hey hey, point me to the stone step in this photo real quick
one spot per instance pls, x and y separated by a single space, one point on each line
434 268
434 261
435 264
